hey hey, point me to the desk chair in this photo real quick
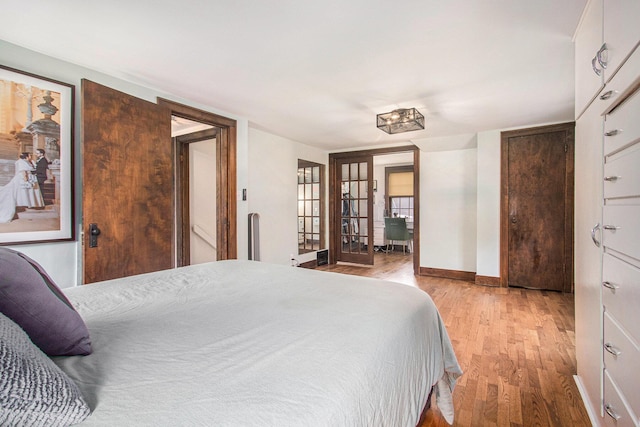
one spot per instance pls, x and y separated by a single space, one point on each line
395 229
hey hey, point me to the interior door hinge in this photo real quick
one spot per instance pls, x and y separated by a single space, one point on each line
566 148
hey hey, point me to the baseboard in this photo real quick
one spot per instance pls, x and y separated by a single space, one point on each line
469 276
488 281
309 264
593 417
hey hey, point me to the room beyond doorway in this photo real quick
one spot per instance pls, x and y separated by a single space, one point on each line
197 163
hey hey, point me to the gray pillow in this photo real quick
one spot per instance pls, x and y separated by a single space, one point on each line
33 390
29 297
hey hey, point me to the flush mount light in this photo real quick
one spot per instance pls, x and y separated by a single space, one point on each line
400 120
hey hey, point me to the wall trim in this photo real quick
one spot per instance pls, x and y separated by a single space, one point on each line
488 281
309 264
586 401
469 276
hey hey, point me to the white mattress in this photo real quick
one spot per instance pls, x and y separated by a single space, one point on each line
240 343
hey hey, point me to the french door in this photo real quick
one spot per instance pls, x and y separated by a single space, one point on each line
352 209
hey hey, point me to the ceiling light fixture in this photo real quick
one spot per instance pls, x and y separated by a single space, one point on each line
400 120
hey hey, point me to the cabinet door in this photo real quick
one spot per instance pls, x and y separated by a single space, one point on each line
621 32
588 212
588 42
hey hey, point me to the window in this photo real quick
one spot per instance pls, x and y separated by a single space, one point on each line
400 191
401 207
310 206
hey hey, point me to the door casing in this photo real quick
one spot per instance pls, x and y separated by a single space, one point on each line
226 173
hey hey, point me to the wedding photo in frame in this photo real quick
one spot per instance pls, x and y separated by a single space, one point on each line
36 158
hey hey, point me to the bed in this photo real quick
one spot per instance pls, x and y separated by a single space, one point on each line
238 343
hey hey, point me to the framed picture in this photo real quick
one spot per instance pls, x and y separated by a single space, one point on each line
36 158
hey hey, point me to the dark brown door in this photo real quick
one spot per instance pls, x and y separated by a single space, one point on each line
127 189
537 213
354 206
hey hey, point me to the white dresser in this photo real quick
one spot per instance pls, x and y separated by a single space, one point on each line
607 211
621 261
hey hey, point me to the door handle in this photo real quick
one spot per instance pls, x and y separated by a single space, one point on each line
94 232
602 56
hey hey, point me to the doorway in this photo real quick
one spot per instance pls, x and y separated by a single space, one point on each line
536 238
222 189
357 204
196 164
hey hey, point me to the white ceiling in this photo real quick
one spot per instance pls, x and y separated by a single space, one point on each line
318 72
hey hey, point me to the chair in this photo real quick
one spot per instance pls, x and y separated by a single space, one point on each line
395 229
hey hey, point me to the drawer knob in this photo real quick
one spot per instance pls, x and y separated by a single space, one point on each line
612 349
613 132
608 94
611 286
611 412
612 178
611 227
594 230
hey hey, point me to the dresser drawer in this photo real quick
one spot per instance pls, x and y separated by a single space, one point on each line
622 361
622 173
621 293
621 126
621 229
621 84
616 413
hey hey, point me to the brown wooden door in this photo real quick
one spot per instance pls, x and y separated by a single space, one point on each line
537 213
354 214
127 187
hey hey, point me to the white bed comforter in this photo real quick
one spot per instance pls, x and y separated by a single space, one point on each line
239 343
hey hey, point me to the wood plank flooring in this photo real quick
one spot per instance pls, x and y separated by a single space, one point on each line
515 346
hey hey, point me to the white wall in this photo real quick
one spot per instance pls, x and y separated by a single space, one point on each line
202 210
448 209
273 184
488 209
62 260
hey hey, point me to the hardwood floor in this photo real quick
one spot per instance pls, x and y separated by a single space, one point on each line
515 346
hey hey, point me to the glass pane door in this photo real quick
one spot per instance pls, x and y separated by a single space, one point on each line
356 227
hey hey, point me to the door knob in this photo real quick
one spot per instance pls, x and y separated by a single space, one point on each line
94 232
